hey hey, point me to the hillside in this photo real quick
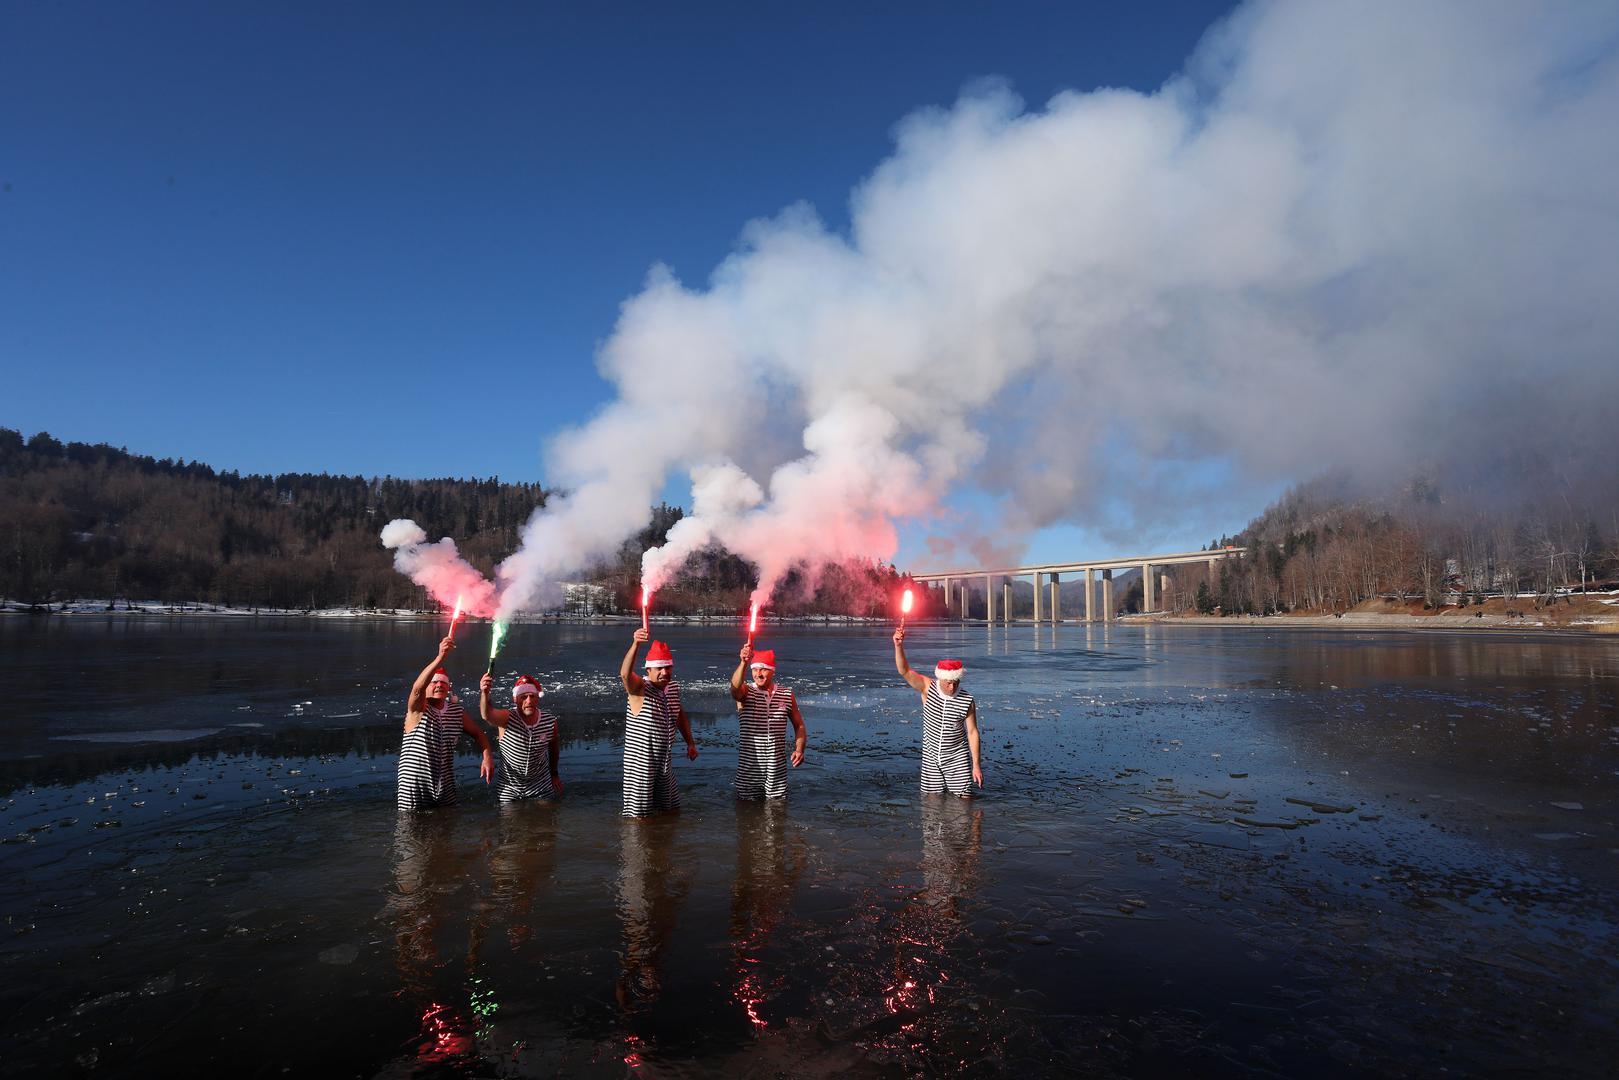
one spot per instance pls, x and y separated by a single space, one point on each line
83 520
95 521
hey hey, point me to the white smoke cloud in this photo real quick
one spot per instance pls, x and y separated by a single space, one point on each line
439 569
1342 232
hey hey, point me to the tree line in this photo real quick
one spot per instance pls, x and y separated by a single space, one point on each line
1325 547
82 521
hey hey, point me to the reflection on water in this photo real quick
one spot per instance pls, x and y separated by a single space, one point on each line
768 866
426 876
931 922
652 888
1201 852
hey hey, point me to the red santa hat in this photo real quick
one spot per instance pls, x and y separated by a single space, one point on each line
765 658
526 684
658 656
949 670
437 674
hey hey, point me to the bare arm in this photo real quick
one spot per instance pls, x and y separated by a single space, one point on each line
417 700
498 717
738 690
486 768
684 722
626 671
916 682
972 743
799 734
555 749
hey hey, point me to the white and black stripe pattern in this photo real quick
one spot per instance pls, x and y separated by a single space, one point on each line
525 757
947 763
427 758
761 751
649 777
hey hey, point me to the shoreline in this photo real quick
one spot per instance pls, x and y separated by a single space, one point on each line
1383 621
1379 621
79 608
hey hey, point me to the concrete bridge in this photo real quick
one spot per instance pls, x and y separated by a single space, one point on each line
957 589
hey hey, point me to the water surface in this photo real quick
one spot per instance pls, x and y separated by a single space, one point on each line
1201 849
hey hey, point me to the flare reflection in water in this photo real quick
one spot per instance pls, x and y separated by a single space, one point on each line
768 866
652 888
427 874
931 923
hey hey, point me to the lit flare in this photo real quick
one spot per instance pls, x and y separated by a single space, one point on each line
495 640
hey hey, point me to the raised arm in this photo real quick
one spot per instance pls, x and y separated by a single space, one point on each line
498 717
916 682
418 690
626 670
799 734
972 742
738 689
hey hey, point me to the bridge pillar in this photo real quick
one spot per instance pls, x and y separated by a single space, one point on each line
1090 594
1056 598
1163 590
949 597
1037 598
1107 595
989 599
966 596
1006 601
1149 594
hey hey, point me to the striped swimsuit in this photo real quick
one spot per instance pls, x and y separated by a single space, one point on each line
427 758
525 757
947 763
761 752
649 776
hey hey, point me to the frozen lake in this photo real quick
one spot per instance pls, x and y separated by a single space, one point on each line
1220 851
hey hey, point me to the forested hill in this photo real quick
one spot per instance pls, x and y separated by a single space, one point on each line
81 520
1329 545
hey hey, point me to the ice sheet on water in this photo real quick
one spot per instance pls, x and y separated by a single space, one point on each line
154 735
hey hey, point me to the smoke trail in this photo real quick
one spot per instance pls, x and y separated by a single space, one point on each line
1340 238
439 568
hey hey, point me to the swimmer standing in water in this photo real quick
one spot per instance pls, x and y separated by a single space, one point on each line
528 739
949 726
434 723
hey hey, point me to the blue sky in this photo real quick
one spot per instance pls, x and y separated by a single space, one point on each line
352 238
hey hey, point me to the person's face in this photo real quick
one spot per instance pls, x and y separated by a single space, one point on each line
948 687
763 677
658 676
438 688
529 705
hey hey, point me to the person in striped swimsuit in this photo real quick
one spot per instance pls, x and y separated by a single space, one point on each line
949 726
652 715
765 708
528 739
434 723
